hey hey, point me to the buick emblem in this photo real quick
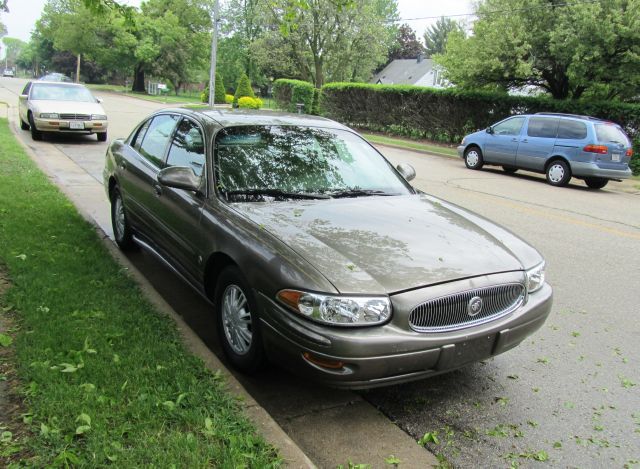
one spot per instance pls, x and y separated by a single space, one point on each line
475 306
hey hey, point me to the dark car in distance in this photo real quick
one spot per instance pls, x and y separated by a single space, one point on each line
316 252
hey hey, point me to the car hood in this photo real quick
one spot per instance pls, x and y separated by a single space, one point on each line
66 107
391 244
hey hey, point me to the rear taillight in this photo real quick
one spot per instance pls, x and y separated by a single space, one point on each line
629 152
601 149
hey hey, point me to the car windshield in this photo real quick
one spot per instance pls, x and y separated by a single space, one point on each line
611 133
300 162
54 92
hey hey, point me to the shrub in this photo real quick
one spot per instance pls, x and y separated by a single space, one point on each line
447 115
288 93
228 98
243 89
219 97
249 103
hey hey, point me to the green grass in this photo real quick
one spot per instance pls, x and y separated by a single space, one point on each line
166 98
411 145
105 377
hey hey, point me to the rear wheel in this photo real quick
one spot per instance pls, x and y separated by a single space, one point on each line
238 323
558 173
23 125
509 169
120 223
596 183
473 158
35 133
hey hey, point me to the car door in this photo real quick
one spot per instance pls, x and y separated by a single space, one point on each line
501 145
137 173
179 210
536 145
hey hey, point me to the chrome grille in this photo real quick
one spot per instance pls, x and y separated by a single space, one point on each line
75 117
451 312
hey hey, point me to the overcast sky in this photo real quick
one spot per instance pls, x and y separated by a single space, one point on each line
23 14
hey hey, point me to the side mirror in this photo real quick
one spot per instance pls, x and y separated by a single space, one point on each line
99 100
406 171
489 130
23 96
179 177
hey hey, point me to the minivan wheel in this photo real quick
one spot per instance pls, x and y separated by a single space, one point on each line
473 158
120 223
558 173
238 323
596 183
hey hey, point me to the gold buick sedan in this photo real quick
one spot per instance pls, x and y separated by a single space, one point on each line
61 107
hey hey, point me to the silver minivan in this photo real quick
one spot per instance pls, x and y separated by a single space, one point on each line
561 146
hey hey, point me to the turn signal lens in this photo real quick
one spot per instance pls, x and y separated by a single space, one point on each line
323 362
629 152
601 149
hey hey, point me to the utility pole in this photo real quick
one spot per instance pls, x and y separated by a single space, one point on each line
214 47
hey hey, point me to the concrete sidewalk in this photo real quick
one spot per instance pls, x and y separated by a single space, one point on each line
323 432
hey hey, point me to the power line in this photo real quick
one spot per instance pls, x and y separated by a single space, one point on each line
495 12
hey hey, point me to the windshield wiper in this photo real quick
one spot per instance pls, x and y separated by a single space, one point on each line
276 193
358 193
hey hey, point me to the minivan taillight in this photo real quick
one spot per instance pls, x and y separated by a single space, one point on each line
629 152
602 149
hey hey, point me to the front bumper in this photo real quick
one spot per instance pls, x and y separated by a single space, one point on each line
581 169
382 355
461 150
59 125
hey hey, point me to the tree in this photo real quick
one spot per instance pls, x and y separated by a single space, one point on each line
562 47
3 7
13 48
243 89
407 45
435 37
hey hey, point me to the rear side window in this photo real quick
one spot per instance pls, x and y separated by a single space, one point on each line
157 137
610 133
187 147
572 130
26 89
509 127
543 127
137 140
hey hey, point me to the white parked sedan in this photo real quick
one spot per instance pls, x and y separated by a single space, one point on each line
61 107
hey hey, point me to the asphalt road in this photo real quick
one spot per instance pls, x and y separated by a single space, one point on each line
569 395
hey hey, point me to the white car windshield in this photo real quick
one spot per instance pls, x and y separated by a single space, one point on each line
55 92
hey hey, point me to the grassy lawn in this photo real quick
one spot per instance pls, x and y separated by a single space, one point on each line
103 377
411 144
164 98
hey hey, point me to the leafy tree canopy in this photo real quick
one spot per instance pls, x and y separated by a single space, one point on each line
435 37
407 45
565 48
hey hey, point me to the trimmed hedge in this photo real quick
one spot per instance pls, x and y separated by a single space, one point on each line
219 94
249 103
288 93
448 115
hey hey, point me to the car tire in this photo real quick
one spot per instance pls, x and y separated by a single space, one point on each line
238 322
596 183
102 136
509 169
473 158
558 173
120 223
23 125
35 133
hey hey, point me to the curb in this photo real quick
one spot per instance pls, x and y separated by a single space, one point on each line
266 426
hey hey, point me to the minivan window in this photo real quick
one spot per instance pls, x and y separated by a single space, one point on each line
572 130
156 139
509 127
187 147
610 133
543 127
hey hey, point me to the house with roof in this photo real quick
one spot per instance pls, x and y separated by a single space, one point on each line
418 72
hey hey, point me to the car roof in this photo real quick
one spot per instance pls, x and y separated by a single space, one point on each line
239 117
573 116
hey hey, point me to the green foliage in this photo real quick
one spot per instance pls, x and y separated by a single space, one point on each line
435 37
219 97
288 93
566 48
448 115
243 88
249 103
228 98
407 45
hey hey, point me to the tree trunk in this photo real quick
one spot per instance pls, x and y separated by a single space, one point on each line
319 72
138 79
78 69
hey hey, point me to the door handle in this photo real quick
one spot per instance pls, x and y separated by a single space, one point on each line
123 166
514 139
524 140
157 190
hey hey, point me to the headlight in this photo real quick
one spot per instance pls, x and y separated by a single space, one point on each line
338 310
49 115
462 143
98 117
535 278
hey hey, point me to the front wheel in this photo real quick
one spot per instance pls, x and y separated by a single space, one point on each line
473 158
102 136
596 183
558 173
120 223
35 133
23 125
238 323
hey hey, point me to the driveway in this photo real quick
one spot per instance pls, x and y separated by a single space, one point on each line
567 396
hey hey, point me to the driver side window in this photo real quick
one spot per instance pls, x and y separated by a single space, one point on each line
509 127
